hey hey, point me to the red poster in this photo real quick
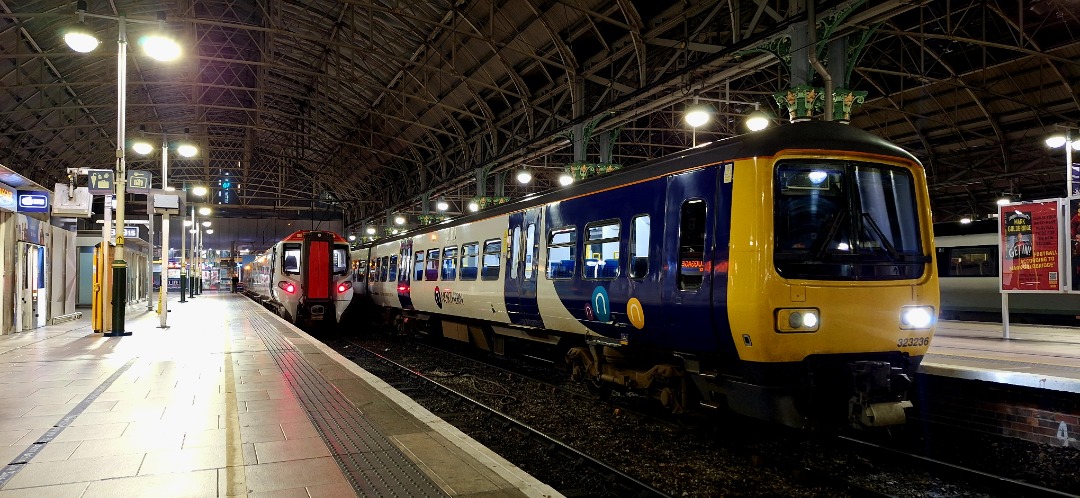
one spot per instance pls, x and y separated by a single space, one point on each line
1030 259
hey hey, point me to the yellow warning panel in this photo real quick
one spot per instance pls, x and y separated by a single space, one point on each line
101 304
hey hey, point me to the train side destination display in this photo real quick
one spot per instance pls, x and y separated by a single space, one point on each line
1029 236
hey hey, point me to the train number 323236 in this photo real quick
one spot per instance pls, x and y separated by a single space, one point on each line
911 342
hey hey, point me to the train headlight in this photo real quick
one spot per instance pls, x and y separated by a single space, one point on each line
797 320
916 317
288 287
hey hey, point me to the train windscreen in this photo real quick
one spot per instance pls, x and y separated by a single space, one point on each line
846 220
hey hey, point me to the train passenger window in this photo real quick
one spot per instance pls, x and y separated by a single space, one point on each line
341 260
384 265
291 262
560 253
492 257
418 266
431 271
692 245
639 246
449 263
392 274
470 259
530 249
515 252
968 261
601 250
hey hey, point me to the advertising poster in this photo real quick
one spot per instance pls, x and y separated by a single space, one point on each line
1030 259
1074 241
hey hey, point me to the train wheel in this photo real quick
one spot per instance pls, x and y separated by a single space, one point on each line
598 388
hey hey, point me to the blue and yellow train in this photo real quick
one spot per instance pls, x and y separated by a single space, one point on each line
786 275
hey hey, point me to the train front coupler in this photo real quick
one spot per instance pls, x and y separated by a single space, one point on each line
880 394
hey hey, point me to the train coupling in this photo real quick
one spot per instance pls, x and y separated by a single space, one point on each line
880 392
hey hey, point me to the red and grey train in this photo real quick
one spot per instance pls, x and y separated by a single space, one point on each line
306 277
786 275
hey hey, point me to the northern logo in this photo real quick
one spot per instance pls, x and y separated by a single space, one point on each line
447 297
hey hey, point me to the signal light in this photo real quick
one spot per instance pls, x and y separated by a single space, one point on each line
287 287
344 286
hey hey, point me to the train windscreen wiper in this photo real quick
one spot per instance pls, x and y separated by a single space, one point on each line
889 249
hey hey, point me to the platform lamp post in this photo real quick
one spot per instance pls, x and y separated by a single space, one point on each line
185 150
199 191
160 48
1070 143
203 211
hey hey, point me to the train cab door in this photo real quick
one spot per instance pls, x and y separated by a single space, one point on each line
686 281
523 256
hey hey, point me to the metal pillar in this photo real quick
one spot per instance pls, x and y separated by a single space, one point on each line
119 265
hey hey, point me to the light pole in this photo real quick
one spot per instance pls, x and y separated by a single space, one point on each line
1066 140
697 116
185 150
160 49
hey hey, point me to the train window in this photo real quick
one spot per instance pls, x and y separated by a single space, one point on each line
515 252
692 244
492 257
384 265
968 261
530 251
403 271
373 269
449 263
418 266
470 259
431 271
639 246
290 264
392 274
560 253
360 271
341 260
602 250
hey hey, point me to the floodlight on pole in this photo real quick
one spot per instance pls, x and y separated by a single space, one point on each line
188 150
565 179
204 211
473 206
142 148
199 190
442 205
697 115
399 220
524 176
757 120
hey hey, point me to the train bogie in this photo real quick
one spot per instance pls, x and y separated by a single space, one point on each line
750 274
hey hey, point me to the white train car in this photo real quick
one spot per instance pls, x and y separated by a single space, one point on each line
970 278
306 277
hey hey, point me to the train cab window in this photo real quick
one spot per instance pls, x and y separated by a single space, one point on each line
449 263
602 250
384 266
470 259
968 261
692 244
290 264
431 271
418 266
639 246
392 274
492 257
341 260
560 253
515 253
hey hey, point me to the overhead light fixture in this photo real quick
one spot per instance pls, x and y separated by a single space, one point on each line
697 115
441 205
965 220
1003 201
371 230
187 150
565 179
199 190
524 176
79 37
209 231
160 47
206 224
188 223
204 211
352 237
142 148
474 206
399 220
757 120
1055 141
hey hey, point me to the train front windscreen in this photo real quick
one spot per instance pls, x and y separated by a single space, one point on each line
846 220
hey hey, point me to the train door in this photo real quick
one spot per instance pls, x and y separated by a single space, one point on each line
404 274
521 305
686 281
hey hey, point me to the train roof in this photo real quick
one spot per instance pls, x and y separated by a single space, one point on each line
298 236
808 136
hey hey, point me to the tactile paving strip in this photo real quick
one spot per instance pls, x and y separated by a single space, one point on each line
373 465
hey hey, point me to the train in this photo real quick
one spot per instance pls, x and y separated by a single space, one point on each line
969 268
305 277
785 275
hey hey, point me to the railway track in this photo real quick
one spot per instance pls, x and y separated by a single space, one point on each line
596 477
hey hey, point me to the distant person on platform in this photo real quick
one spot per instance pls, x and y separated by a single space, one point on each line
235 282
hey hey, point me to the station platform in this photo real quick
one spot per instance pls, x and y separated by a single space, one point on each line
1044 357
230 400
